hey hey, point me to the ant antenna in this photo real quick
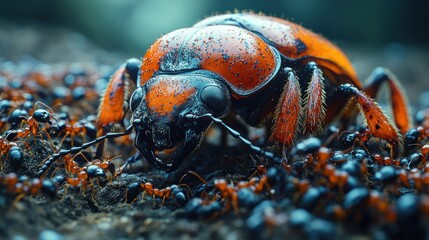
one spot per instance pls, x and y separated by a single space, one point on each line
64 152
237 135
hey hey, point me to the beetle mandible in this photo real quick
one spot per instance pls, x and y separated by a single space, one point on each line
264 69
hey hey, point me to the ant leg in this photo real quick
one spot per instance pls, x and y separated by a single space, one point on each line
163 201
17 199
398 98
51 145
379 124
190 172
114 102
315 105
153 201
288 111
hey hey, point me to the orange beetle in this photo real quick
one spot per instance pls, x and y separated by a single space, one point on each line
264 69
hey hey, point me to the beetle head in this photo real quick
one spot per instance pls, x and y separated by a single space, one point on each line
165 136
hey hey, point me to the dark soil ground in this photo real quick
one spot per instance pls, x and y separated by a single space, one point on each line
357 191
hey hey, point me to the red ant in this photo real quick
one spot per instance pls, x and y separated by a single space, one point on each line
175 192
38 116
23 186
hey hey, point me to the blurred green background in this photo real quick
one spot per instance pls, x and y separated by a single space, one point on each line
389 33
132 25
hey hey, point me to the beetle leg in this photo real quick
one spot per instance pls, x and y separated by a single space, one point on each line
288 111
398 98
114 102
379 124
315 105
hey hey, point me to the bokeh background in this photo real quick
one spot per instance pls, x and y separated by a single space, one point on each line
390 33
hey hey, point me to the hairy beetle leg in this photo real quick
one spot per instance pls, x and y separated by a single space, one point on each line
379 124
114 102
399 100
288 111
315 105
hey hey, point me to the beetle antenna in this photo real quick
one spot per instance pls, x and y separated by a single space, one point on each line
64 152
237 135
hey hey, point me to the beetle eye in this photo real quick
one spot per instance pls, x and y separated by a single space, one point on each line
215 98
136 99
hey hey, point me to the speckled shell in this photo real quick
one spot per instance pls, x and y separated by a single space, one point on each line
239 48
294 42
243 59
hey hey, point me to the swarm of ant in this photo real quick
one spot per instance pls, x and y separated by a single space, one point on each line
337 183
